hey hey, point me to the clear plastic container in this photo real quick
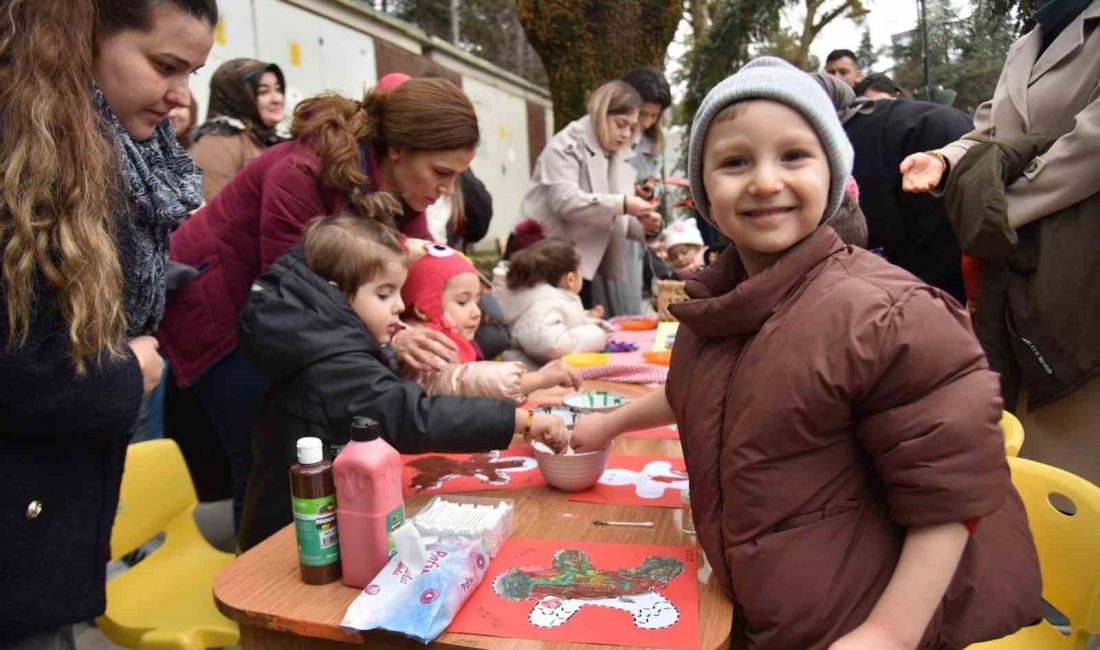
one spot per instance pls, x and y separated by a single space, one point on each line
687 524
441 518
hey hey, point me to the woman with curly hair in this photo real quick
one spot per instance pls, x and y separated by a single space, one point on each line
412 142
93 181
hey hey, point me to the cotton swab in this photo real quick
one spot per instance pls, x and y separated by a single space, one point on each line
629 524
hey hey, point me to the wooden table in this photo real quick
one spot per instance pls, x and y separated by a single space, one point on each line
262 592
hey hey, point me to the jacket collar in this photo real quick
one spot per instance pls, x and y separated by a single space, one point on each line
599 161
1068 42
727 303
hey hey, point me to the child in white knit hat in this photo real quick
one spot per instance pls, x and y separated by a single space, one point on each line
838 418
684 245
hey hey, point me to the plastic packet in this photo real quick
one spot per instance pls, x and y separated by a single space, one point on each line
420 606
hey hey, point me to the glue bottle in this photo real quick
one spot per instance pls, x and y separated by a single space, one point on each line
369 502
313 501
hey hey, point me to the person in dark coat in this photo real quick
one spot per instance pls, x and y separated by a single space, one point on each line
911 230
318 332
94 179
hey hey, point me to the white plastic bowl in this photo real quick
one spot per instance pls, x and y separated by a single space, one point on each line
596 401
567 414
571 472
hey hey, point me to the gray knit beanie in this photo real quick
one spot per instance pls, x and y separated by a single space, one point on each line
775 79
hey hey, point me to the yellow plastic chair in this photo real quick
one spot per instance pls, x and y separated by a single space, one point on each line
1014 433
1069 556
166 600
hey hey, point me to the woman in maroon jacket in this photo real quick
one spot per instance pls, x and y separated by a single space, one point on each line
413 141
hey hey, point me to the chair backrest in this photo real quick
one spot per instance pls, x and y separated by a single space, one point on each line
1068 545
156 488
1014 433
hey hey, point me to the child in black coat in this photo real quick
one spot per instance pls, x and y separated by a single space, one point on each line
317 324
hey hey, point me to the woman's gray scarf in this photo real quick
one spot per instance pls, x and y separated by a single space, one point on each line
162 186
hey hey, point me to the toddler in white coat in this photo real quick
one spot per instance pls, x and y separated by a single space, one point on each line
540 296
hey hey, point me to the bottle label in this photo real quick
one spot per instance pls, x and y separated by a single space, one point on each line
315 528
394 520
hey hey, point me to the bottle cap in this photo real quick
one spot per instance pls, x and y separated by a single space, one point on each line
309 451
364 429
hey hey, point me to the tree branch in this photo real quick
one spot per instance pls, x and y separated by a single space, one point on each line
829 16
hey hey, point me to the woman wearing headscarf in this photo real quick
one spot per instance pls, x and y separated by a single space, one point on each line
912 231
246 104
1050 87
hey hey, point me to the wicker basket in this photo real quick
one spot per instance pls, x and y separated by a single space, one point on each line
669 292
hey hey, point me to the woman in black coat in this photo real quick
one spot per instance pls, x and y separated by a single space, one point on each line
86 204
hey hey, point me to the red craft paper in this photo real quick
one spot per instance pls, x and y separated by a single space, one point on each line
638 481
672 605
514 468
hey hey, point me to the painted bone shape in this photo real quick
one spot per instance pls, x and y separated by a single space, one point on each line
572 582
650 611
650 483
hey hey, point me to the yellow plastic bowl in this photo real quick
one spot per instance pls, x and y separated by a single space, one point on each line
587 359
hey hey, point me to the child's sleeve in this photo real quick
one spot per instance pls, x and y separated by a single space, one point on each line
928 409
500 379
543 334
414 422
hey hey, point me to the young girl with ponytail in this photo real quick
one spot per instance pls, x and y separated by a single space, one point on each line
540 296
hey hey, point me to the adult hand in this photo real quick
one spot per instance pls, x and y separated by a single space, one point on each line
423 349
869 637
149 360
646 190
591 433
652 223
920 173
637 206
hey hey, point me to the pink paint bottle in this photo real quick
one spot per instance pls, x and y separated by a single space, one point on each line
369 505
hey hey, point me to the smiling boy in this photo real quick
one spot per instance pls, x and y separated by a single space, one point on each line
837 416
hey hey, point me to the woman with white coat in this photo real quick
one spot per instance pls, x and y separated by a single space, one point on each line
582 189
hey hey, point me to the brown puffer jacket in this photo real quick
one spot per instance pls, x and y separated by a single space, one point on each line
824 406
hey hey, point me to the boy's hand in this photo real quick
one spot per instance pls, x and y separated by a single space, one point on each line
591 433
920 173
595 312
869 637
550 430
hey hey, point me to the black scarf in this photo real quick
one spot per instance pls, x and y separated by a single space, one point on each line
1053 16
162 186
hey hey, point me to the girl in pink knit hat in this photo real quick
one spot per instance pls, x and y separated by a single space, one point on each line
441 293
